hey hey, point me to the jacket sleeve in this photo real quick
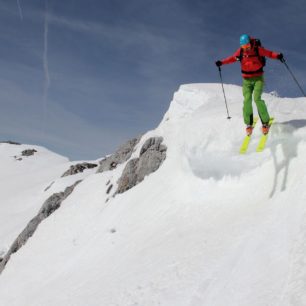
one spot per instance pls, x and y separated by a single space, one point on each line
268 53
231 59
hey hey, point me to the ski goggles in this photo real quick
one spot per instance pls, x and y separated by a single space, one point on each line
246 46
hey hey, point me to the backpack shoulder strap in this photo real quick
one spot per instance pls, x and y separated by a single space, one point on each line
257 44
239 58
256 50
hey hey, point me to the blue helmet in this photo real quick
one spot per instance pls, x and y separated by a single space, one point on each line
244 39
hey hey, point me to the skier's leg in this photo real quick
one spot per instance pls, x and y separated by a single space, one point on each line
247 90
261 105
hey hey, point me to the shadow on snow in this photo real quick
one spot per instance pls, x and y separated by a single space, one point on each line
283 137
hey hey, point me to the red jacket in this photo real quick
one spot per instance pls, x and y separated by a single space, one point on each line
251 66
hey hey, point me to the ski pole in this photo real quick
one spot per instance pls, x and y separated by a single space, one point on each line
228 116
294 78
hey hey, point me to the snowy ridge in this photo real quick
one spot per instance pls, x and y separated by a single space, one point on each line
210 227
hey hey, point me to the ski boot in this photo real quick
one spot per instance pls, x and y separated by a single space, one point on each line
265 128
249 130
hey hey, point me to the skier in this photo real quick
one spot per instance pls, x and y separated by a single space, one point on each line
252 57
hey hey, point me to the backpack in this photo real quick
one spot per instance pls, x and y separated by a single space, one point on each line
255 43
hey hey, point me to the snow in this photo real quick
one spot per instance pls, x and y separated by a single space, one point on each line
210 227
25 183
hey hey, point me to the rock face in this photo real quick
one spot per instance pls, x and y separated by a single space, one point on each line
119 157
50 205
74 169
152 155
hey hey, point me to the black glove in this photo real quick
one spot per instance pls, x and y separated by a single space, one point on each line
218 63
281 57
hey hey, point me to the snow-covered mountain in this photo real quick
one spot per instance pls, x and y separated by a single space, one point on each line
176 217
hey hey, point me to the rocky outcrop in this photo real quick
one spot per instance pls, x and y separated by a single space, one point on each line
129 176
119 157
152 155
25 153
49 206
28 152
78 168
11 142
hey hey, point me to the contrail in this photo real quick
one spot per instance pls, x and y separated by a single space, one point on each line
20 10
46 66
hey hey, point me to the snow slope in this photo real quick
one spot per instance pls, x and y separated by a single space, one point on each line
210 227
25 183
19 182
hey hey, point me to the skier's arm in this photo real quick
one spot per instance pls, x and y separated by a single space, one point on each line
265 52
231 59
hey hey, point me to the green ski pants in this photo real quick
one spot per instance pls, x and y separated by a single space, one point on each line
254 86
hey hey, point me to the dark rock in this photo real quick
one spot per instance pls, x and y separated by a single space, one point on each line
28 152
47 188
152 155
109 189
78 168
129 177
11 142
154 144
119 157
49 206
149 162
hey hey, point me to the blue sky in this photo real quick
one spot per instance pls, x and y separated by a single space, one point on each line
81 77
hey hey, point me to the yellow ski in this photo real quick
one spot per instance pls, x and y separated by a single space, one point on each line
264 138
246 140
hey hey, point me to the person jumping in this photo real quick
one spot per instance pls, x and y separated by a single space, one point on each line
252 58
